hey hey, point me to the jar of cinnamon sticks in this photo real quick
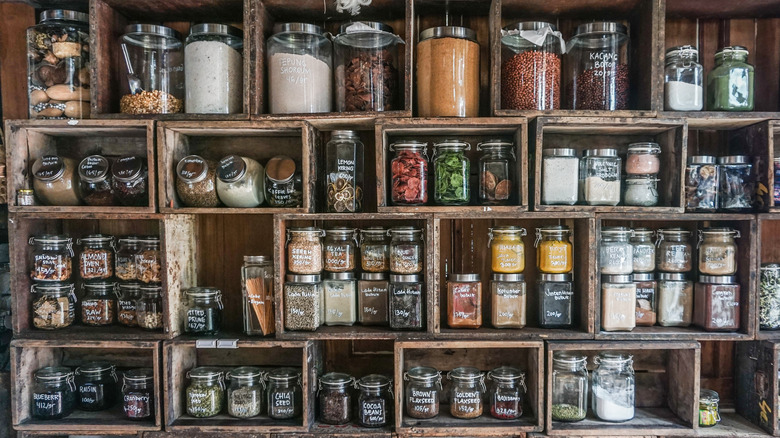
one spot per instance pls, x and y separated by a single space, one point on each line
257 282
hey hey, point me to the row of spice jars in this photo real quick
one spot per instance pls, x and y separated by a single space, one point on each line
553 249
94 386
337 404
727 186
467 394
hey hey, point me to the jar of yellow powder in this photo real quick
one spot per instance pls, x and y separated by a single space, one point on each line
508 250
553 249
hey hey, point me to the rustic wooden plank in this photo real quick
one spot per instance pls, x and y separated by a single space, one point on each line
13 59
756 377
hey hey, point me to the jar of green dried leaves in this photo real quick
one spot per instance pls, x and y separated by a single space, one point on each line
205 395
451 169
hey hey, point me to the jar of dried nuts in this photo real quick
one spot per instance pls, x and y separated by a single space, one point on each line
51 257
531 70
304 250
54 307
148 261
406 250
340 249
96 261
149 308
127 249
374 250
127 296
335 398
496 172
98 307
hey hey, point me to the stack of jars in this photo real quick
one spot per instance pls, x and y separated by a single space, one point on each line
618 291
727 186
374 406
139 267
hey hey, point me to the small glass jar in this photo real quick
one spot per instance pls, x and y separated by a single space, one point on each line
683 80
283 183
614 386
344 172
375 402
55 180
730 82
303 302
240 182
643 254
643 159
335 398
646 299
124 262
98 307
203 311
464 301
52 257
97 386
555 293
451 169
618 303
769 297
509 301
55 307
196 182
598 60
467 392
717 303
214 69
507 249
138 394
673 250
374 250
560 176
246 392
531 67
600 177
718 251
53 393
569 387
373 298
737 183
205 395
257 281
675 300
26 197
407 302
340 294
304 250
285 394
641 191
129 179
407 250
616 255
553 249
96 260
95 181
340 249
422 392
148 260
702 177
149 308
409 173
506 393
709 415
127 296
497 169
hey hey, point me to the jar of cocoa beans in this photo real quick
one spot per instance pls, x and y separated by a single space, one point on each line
598 72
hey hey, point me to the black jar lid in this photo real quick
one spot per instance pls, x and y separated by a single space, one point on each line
127 168
231 168
48 168
448 32
63 14
94 168
192 168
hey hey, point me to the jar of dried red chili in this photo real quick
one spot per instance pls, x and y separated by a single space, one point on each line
409 171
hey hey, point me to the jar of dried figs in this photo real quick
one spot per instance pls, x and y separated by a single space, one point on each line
422 392
407 253
96 261
304 250
95 181
497 167
148 261
127 296
52 257
374 250
130 181
673 253
409 173
340 249
55 305
127 249
149 308
98 307
196 182
335 398
55 180
718 251
467 392
344 172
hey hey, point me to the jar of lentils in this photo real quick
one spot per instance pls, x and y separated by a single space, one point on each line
531 69
246 392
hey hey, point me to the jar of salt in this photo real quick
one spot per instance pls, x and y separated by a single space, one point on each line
559 176
614 386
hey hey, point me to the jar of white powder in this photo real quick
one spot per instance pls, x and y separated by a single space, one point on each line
614 386
600 177
559 176
240 182
213 69
683 80
641 190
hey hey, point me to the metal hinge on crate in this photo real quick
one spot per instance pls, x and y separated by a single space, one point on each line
216 343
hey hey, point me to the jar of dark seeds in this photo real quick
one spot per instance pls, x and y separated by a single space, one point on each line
375 402
97 386
124 262
196 182
303 302
130 181
340 249
285 395
95 181
127 296
374 250
406 250
98 307
52 258
246 392
96 261
53 306
203 311
304 250
53 394
737 183
149 308
406 302
205 395
467 392
422 392
598 78
335 398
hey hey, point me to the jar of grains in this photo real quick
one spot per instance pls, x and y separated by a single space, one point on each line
701 184
129 179
53 393
373 298
95 181
736 182
614 386
598 76
618 303
407 302
97 386
646 298
467 392
464 301
127 295
138 394
407 253
55 306
335 398
246 393
508 294
214 69
124 263
304 250
203 311
717 303
675 300
569 387
340 294
374 250
643 259
643 159
555 293
730 82
683 79
96 261
708 408
205 395
553 249
344 172
148 260
641 190
257 290
52 257
98 306
673 250
497 166
149 308
375 402
303 302
718 251
507 249
616 255
196 182
448 72
285 394
769 297
283 183
560 168
451 169
506 393
240 182
409 173
340 249
422 392
599 178
55 180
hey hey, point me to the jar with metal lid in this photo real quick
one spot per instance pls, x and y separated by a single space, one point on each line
718 251
553 249
300 76
148 260
95 187
335 398
26 197
344 172
508 295
407 302
375 401
531 66
407 252
506 392
98 307
56 181
618 303
152 80
246 392
736 183
283 183
257 290
53 393
569 387
555 293
683 79
599 178
643 159
340 249
373 298
304 250
149 308
124 261
467 392
54 307
643 254
129 181
97 386
96 260
673 250
464 301
52 257
497 169
196 182
409 173
366 63
641 190
702 184
374 250
730 82
717 303
616 254
646 299
240 182
614 386
304 302
422 392
507 251
598 60
709 414
214 69
340 293
205 395
769 297
560 176
138 394
451 169
285 394
127 296
447 72
203 311
675 300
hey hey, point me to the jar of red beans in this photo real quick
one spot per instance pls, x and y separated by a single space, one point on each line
409 173
531 66
506 392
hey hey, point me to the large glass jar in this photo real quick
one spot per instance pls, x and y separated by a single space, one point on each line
95 181
96 260
451 168
553 249
737 183
205 395
555 293
127 296
718 251
730 83
138 394
240 182
560 176
129 179
701 184
409 173
507 249
447 72
467 392
53 393
257 281
506 393
531 66
717 303
335 398
673 250
616 255
203 311
303 302
148 260
246 392
508 295
497 166
196 182
641 190
340 249
464 301
374 250
422 392
643 254
54 307
344 172
598 67
283 183
600 177
285 395
58 69
55 180
149 308
375 402
614 386
97 386
366 60
304 250
407 252
769 297
52 257
152 79
709 414
407 302
569 387
98 306
214 70
373 298
340 292
618 303
646 299
127 249
675 300
683 80
300 76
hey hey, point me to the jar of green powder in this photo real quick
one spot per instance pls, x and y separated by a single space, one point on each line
205 395
730 83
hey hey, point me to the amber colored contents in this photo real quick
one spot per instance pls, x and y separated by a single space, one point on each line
554 256
464 303
716 306
508 252
447 78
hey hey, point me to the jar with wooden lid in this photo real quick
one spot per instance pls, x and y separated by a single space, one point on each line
129 179
95 187
96 260
340 249
508 295
616 255
673 250
507 250
374 250
467 392
675 300
56 181
196 182
304 250
718 251
464 301
553 249
717 303
51 257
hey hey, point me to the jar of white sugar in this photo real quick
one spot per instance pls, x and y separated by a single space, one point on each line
600 177
641 190
559 176
213 69
683 80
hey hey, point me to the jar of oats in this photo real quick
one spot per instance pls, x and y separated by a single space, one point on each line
304 250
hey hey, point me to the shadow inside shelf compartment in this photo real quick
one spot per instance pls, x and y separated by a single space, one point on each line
114 417
525 332
226 420
657 330
112 332
322 428
643 418
445 419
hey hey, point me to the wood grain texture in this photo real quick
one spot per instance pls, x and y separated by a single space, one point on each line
17 17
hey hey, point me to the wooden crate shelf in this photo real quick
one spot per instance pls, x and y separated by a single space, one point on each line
27 356
757 380
768 252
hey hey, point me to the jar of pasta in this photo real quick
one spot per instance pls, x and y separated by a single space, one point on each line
304 250
718 251
553 249
507 249
340 249
124 262
673 250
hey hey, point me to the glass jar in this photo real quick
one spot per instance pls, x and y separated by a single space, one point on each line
340 298
464 301
506 393
149 308
497 168
335 398
569 387
409 173
129 177
598 59
257 281
646 299
614 386
98 307
422 392
618 303
467 392
138 394
702 184
127 296
366 59
124 263
153 78
53 393
641 190
553 249
52 257
283 183
303 302
55 307
673 250
95 181
26 197
373 298
675 300
730 82
683 80
375 402
240 182
718 251
616 255
148 260
407 252
196 182
531 66
97 386
451 169
285 395
205 395
340 249
58 68
304 250
507 249
555 296
643 254
560 176
643 159
709 414
300 76
203 311
447 72
508 295
407 302
717 303
344 172
737 185
214 69
775 191
769 297
96 260
600 177
246 392
55 180
374 250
